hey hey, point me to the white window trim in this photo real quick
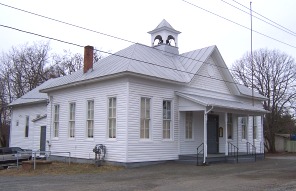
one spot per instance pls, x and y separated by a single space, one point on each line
87 119
54 121
171 122
69 113
232 128
150 123
256 127
116 133
246 129
192 126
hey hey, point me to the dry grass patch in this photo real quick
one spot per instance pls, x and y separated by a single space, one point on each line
59 168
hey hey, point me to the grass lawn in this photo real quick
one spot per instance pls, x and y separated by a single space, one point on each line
60 168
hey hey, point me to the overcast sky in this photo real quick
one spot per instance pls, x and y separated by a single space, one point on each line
132 19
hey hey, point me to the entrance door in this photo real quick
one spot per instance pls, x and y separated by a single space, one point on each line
42 138
212 126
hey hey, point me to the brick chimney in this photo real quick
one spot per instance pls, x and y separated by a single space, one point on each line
88 58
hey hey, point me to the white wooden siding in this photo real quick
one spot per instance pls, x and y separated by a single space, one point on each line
242 143
189 146
81 146
213 83
155 148
17 133
187 105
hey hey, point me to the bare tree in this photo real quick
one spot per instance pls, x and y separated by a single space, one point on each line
68 63
23 68
275 78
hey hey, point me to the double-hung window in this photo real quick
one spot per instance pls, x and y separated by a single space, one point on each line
112 117
244 127
145 118
90 119
255 127
27 127
56 118
229 126
188 124
167 119
72 120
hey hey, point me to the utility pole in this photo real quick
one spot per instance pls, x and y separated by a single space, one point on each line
252 66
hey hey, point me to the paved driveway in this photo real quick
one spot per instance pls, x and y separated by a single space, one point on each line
272 174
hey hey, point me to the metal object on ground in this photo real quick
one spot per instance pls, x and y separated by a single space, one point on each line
100 152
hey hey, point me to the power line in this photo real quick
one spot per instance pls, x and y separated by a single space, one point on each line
91 30
66 23
74 44
265 17
238 24
280 28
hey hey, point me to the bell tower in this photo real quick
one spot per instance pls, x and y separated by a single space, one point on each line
165 38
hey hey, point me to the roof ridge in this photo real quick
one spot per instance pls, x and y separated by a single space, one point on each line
132 57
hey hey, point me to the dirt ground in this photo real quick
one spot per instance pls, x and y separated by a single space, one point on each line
275 173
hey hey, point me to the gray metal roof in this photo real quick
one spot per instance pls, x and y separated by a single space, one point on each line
33 96
222 103
142 60
248 92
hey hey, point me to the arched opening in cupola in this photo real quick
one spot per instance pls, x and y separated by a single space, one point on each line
157 40
171 41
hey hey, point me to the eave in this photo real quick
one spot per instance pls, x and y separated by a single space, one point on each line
109 77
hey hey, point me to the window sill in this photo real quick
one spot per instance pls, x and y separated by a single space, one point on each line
89 139
145 140
167 140
189 140
71 138
55 139
111 139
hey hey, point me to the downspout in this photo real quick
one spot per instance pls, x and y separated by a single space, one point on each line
205 134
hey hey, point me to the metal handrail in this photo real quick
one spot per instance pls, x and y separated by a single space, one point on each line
198 152
249 146
46 153
233 151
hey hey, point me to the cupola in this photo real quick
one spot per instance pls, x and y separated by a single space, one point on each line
165 38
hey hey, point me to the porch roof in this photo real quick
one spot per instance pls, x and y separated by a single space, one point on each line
222 103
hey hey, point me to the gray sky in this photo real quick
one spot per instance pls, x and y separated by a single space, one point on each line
132 19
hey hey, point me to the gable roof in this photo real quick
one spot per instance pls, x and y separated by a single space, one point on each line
33 96
141 60
150 62
222 103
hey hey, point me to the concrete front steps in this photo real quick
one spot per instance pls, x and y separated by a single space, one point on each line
219 158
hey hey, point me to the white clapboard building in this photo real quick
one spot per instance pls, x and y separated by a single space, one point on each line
145 104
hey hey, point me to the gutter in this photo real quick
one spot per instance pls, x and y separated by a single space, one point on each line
111 76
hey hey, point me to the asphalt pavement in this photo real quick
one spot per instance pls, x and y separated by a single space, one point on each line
272 174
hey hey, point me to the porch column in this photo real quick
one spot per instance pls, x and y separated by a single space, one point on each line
205 137
226 134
